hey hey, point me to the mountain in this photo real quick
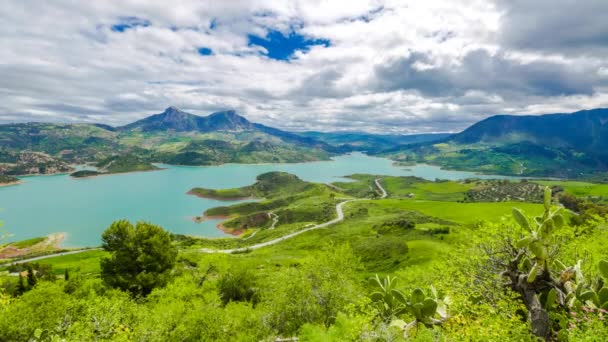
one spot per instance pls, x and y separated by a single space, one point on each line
561 145
180 121
586 131
172 137
372 143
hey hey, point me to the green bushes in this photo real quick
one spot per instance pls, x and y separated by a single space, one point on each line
239 285
312 293
381 253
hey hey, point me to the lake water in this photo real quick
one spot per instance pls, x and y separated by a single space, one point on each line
83 208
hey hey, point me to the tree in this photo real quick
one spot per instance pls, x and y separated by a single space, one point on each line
32 280
66 275
142 257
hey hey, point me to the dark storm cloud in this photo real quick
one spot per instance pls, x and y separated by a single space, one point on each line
481 71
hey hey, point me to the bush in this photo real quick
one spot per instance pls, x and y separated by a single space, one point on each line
238 285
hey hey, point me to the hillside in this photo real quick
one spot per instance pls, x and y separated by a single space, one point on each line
559 145
360 141
172 137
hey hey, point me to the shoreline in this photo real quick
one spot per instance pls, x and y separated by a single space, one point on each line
51 243
11 183
220 225
229 231
192 193
331 158
116 173
205 217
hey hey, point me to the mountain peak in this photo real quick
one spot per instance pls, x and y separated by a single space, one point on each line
172 111
228 120
175 119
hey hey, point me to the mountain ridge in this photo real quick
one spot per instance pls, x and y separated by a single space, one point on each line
557 145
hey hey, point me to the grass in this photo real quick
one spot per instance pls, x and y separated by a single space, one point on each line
452 211
222 193
85 262
434 191
27 243
580 189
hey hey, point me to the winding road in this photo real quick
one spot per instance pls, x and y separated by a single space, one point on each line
284 237
339 218
384 193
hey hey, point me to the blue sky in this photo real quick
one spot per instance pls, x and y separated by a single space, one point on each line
281 46
385 66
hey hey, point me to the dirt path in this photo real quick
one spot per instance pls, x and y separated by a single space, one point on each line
384 193
275 219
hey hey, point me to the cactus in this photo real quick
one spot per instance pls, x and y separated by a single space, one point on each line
549 289
424 308
539 238
389 301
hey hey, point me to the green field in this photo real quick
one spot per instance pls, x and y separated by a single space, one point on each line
27 243
83 263
581 189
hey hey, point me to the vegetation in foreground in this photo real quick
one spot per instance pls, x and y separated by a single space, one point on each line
427 267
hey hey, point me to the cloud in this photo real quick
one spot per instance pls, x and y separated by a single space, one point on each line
555 26
481 71
374 65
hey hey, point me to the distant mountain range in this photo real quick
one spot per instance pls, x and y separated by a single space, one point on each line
373 143
172 137
561 145
173 119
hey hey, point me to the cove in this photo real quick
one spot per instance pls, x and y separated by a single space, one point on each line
83 208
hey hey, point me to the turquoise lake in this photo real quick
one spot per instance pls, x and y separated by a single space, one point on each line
83 208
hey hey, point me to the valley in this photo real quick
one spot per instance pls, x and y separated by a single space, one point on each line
267 235
328 240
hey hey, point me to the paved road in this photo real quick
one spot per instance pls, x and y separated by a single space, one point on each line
340 217
48 256
384 193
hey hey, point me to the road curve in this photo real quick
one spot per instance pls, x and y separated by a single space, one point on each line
384 193
48 256
340 217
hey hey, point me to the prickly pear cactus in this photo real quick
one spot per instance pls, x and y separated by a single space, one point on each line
427 309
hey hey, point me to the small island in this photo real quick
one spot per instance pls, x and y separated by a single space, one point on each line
85 173
117 164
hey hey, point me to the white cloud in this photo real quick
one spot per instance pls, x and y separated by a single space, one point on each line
61 61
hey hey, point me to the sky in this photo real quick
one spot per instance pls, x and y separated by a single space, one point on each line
379 66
